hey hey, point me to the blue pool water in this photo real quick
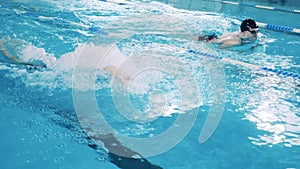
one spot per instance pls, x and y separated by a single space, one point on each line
41 123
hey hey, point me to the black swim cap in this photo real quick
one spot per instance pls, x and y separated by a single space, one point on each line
248 24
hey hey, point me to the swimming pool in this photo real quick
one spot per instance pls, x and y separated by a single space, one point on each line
41 107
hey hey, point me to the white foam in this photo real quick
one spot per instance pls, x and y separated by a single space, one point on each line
144 18
34 54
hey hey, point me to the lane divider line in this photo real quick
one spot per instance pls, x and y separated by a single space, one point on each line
260 6
252 66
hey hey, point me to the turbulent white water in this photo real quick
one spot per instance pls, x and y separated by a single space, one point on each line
145 50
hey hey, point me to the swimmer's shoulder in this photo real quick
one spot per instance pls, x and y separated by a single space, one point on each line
231 35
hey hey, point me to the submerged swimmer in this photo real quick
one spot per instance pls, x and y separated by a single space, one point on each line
248 34
118 154
12 57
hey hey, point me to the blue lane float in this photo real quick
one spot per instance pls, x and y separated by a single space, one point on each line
278 28
235 62
260 6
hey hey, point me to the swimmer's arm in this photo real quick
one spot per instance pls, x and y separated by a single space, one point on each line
226 37
230 43
7 54
117 74
15 59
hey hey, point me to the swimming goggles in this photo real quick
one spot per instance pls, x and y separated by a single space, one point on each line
253 31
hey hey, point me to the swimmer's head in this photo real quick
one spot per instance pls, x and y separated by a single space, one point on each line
248 25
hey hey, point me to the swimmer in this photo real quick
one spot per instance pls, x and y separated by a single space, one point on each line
112 69
118 154
248 34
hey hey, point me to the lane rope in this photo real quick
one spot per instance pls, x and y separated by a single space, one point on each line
278 28
118 2
252 66
260 6
226 60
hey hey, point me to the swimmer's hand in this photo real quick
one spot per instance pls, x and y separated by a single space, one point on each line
207 38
